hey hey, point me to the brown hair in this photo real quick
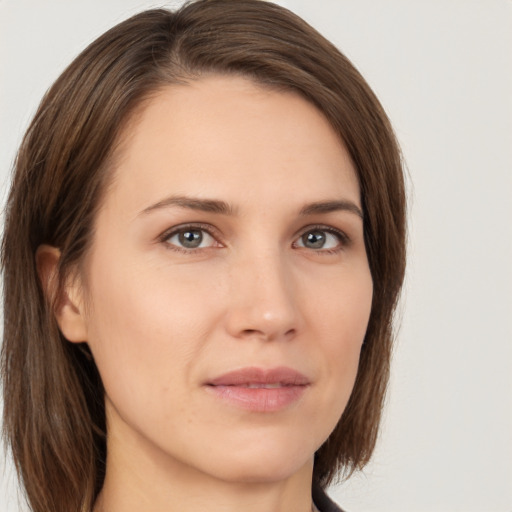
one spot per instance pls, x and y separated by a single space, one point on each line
54 418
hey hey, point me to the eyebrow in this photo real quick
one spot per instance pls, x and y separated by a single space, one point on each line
204 205
224 208
331 206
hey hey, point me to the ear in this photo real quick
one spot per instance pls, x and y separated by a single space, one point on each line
68 303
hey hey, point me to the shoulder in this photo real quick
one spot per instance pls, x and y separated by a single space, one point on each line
323 502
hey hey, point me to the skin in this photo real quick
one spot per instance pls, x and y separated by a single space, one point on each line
161 319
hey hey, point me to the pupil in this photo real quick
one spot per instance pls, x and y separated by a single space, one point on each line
314 239
191 239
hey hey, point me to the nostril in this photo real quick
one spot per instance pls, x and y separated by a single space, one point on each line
252 332
268 335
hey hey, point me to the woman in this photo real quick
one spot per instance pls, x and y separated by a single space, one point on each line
204 245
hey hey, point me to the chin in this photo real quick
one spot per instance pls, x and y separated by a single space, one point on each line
261 471
260 462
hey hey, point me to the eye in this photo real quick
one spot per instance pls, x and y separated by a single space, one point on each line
322 239
189 238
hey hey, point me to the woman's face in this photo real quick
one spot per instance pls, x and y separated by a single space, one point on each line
228 286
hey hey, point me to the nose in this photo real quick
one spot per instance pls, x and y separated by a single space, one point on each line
263 302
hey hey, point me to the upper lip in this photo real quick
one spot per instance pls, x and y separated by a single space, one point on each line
254 375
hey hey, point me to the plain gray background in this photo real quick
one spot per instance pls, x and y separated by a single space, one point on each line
443 71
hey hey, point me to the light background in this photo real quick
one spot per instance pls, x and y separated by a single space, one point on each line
443 70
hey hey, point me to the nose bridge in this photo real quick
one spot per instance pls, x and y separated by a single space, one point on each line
263 303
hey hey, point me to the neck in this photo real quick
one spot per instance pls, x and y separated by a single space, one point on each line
139 477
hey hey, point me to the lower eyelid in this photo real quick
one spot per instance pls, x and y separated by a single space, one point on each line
205 235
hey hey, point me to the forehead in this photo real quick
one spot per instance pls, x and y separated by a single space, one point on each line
227 135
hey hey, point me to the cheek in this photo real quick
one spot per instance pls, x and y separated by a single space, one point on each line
343 315
145 330
341 309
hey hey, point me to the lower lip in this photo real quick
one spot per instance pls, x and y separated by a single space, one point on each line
258 399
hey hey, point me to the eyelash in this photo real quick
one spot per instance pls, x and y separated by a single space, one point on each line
176 230
342 237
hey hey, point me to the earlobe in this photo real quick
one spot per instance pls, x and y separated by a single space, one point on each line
68 302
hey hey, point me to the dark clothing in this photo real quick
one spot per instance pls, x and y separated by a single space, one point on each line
323 503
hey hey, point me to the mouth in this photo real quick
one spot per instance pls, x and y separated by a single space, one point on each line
276 385
259 390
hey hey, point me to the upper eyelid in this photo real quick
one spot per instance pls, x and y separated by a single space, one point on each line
211 230
324 227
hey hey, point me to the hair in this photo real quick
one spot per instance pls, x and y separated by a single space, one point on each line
54 417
